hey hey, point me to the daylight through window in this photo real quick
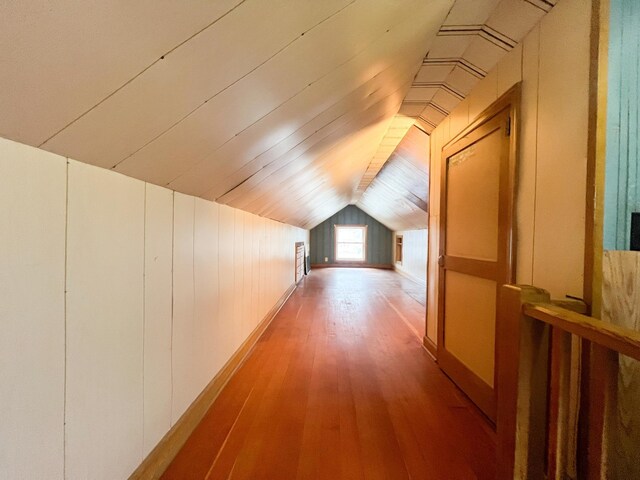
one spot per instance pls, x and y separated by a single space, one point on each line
351 243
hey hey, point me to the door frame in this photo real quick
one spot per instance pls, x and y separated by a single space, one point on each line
482 394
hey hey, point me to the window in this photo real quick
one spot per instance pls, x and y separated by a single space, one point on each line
351 243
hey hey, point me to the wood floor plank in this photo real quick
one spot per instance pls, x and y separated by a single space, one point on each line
340 387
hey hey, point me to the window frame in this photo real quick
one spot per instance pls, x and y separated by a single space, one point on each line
364 242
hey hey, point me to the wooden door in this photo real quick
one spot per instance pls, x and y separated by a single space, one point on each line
476 250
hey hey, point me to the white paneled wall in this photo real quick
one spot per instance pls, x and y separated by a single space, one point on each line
32 276
158 288
238 279
552 62
104 323
414 254
185 352
226 279
205 275
162 288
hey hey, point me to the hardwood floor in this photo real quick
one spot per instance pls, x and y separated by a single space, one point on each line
339 387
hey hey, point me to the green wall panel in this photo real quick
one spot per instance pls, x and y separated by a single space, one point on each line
379 237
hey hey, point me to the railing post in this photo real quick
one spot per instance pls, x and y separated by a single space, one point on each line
603 388
558 455
522 357
564 397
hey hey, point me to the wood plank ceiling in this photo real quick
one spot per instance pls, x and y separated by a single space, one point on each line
398 195
474 37
287 109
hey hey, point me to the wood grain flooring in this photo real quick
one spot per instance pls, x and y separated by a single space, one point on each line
339 387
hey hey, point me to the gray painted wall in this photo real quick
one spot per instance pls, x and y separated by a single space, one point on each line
379 237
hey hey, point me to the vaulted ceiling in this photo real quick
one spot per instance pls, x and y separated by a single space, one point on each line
285 108
399 193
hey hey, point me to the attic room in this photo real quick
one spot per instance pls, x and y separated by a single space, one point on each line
347 239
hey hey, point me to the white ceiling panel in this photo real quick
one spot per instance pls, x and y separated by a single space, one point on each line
433 114
470 12
401 122
339 147
484 54
314 146
389 72
475 35
189 77
323 137
445 100
60 59
449 46
462 81
329 179
421 94
425 126
314 107
433 73
412 109
333 167
398 195
515 18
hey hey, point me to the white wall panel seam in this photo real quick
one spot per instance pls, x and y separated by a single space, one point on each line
219 301
144 310
173 236
193 273
66 239
535 146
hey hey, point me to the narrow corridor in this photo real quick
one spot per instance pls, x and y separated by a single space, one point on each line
340 387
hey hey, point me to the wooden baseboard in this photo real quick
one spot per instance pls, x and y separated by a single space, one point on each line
417 280
430 347
163 454
471 384
351 265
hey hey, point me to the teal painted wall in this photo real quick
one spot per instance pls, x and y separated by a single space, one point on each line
379 237
622 193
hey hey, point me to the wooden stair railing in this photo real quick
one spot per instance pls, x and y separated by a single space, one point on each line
558 374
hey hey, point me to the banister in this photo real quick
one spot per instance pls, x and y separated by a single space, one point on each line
613 337
557 376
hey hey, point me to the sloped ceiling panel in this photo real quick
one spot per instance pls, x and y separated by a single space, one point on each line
398 195
61 59
395 133
275 107
475 35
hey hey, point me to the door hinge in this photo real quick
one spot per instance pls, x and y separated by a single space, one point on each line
508 128
441 260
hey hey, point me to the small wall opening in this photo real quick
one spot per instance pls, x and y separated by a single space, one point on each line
399 249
